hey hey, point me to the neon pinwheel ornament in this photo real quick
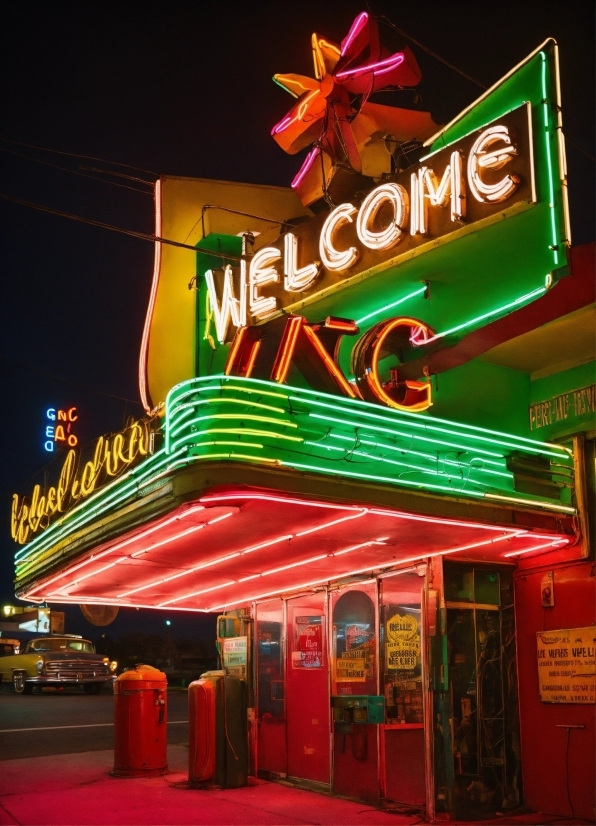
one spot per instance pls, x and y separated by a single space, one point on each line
333 112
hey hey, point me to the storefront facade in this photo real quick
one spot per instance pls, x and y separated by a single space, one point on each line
368 447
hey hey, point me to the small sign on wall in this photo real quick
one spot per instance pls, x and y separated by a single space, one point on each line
235 650
567 665
547 590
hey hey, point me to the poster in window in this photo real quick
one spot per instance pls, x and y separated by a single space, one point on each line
402 666
307 651
402 649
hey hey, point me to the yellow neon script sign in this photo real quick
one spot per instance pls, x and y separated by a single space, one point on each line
112 455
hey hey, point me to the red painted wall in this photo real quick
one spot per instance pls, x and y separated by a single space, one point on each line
543 744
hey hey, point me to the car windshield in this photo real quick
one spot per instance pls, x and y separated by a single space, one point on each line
61 645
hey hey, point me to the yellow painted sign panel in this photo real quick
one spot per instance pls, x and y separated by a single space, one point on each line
402 649
187 210
567 665
350 670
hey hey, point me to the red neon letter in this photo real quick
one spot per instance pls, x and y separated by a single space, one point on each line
390 338
301 341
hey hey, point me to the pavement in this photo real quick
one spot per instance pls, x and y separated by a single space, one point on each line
77 789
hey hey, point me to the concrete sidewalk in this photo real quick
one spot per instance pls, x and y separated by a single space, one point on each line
76 789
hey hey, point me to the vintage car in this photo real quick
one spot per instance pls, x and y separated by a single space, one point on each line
56 661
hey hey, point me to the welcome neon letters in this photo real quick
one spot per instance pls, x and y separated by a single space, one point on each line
399 209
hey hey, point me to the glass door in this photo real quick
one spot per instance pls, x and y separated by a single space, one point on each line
271 705
307 689
355 690
403 666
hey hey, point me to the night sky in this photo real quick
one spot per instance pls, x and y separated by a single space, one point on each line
185 89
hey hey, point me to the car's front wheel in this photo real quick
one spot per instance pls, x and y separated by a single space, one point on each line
19 681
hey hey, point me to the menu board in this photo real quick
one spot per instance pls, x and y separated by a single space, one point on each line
567 665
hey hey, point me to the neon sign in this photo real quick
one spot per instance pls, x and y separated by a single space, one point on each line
60 432
333 110
313 349
455 190
112 455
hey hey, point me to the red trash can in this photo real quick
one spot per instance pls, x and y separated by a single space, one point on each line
202 744
140 723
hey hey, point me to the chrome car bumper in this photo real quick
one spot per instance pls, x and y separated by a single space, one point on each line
72 679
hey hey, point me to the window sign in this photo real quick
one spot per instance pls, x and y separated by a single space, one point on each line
307 650
235 656
354 642
401 648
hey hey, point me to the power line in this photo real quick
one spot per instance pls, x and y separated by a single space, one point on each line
117 174
75 155
142 235
75 171
384 19
24 366
580 149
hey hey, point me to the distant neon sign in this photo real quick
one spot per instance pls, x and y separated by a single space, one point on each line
60 432
111 457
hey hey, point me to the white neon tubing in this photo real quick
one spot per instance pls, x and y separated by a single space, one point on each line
231 308
225 497
179 574
144 354
480 158
531 503
393 194
553 545
336 260
261 272
294 565
197 593
112 548
296 278
95 571
335 577
334 522
247 551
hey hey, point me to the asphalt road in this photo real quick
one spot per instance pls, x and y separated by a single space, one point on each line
53 722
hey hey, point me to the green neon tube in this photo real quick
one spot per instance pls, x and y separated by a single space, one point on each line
78 514
442 459
392 305
549 162
398 433
385 479
452 490
247 431
566 453
408 451
425 424
527 297
430 456
412 468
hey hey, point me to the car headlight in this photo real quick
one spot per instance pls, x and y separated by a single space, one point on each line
39 666
113 665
